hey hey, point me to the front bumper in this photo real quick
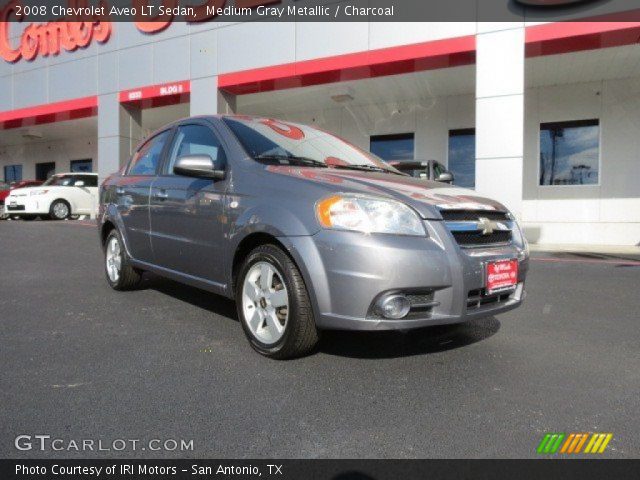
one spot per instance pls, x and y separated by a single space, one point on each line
347 271
26 206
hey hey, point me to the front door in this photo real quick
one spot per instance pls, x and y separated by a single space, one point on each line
84 194
187 216
132 196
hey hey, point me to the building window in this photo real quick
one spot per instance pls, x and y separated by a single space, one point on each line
45 170
12 173
569 153
82 165
462 157
393 147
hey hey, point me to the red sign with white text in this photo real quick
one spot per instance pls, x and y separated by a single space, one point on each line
51 38
502 275
157 95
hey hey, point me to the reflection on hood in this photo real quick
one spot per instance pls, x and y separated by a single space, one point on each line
427 197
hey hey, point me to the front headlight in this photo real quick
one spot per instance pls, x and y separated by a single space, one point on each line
368 215
37 192
519 237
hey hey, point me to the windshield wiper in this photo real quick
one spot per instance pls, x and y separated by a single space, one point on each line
364 167
307 162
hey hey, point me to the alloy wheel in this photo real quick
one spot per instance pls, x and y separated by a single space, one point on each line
61 210
265 302
113 259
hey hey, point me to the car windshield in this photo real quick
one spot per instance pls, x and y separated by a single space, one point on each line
278 143
61 181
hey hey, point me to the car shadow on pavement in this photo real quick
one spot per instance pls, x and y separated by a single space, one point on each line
216 304
394 344
353 344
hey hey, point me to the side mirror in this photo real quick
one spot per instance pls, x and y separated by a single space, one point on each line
79 183
199 166
445 177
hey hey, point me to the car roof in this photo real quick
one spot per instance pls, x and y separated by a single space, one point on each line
184 120
74 173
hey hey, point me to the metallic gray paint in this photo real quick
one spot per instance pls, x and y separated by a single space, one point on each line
193 230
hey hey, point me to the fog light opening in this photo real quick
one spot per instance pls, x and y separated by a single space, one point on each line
393 306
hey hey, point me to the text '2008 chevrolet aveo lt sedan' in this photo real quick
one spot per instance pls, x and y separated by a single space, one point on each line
306 232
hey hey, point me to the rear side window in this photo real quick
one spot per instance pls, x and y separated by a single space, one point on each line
89 180
145 161
195 140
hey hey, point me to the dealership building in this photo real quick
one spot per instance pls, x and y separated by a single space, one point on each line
544 116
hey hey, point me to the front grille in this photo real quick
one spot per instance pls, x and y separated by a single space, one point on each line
472 215
421 303
15 207
478 228
478 298
477 238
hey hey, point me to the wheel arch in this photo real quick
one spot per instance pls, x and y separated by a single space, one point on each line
105 229
246 245
62 199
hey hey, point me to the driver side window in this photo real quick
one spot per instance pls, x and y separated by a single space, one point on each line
438 169
195 140
145 160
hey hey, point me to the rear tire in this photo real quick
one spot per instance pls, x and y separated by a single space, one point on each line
273 305
59 210
119 272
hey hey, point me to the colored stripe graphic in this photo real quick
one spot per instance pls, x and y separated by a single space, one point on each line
573 442
598 442
550 443
581 443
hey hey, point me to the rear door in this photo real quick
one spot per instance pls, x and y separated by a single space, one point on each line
132 194
187 214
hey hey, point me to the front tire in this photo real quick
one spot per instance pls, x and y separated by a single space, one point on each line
273 305
120 274
59 210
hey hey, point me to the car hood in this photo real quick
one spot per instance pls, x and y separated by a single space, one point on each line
426 197
20 192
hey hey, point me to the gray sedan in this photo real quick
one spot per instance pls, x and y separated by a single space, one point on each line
306 232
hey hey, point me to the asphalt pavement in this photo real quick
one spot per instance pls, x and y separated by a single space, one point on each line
170 362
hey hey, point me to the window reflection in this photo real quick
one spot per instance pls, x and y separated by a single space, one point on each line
569 153
462 157
393 147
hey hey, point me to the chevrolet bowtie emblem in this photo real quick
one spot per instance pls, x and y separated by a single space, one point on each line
486 225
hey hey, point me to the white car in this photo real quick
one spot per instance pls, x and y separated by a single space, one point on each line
60 197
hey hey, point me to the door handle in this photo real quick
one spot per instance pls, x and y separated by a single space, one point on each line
120 191
161 194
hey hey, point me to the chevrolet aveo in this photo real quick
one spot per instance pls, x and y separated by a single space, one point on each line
306 232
